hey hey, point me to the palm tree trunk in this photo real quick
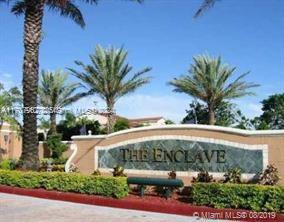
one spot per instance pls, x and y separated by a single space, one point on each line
110 116
52 123
211 115
29 159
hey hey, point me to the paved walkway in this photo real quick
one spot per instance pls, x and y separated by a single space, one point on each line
14 208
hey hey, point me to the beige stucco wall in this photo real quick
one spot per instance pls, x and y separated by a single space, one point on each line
85 157
12 147
273 139
10 143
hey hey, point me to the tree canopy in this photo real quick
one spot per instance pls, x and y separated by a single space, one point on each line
273 113
55 92
208 79
227 114
110 76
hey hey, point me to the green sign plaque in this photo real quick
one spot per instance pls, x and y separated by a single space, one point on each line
181 155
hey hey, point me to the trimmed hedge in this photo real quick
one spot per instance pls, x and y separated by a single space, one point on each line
240 196
66 182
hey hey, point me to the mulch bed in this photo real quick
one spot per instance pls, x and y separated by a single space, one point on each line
175 205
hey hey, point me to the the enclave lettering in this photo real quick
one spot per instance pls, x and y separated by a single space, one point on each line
177 156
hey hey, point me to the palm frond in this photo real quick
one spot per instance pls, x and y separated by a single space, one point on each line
68 9
208 79
55 91
90 1
19 8
107 74
207 4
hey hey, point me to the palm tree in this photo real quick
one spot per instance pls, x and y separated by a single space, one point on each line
33 11
55 93
106 77
208 80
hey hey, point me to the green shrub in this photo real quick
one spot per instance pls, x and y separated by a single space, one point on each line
203 177
233 176
97 173
45 164
8 164
66 182
49 164
121 124
118 171
239 196
172 175
60 161
70 126
269 176
58 167
56 146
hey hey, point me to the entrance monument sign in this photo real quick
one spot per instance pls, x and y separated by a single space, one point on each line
186 149
188 154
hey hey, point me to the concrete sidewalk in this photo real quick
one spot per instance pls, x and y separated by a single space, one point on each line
14 208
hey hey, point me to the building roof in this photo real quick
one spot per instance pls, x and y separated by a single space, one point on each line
132 122
147 118
140 121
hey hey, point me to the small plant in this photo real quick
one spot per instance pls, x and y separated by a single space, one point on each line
56 146
269 176
58 168
203 177
118 171
8 164
233 176
13 164
172 175
73 168
46 164
96 173
61 160
5 165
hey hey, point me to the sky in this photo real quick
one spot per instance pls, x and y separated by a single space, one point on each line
162 34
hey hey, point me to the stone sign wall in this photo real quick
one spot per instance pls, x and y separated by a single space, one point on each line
187 149
188 154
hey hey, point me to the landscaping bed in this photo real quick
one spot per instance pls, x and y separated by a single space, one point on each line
263 201
239 196
73 182
148 203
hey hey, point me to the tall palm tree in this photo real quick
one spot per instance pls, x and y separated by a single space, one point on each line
107 77
33 11
208 80
56 93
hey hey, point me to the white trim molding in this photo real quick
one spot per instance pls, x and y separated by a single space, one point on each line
89 137
68 164
188 174
185 126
